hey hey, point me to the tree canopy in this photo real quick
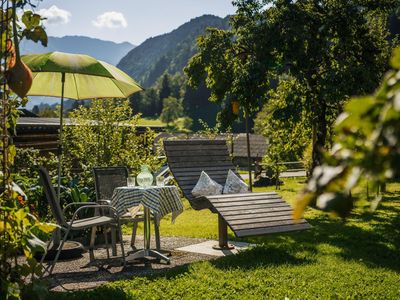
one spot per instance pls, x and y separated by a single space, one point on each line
172 110
366 145
333 48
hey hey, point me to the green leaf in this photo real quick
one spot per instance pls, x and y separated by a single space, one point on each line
36 34
395 60
46 227
36 244
84 197
30 19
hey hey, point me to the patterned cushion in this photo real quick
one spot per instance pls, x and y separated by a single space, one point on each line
205 186
234 185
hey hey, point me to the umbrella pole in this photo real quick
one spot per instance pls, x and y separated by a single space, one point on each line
246 116
60 150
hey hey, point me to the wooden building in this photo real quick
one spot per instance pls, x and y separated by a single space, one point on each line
42 133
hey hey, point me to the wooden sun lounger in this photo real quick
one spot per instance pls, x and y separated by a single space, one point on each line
246 214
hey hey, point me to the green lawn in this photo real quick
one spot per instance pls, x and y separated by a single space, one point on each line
356 259
150 122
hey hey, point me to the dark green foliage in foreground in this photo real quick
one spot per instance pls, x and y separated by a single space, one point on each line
358 259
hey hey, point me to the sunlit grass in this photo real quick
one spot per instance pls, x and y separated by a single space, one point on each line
150 122
356 259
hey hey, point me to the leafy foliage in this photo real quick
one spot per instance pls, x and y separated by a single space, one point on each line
331 48
366 145
25 170
19 230
150 102
285 123
172 110
104 134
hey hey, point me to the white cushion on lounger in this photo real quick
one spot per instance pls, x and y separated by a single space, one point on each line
235 185
205 186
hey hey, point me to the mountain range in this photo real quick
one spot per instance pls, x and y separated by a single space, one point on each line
146 63
103 50
168 52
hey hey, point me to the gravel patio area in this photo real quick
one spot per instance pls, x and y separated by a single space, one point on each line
77 274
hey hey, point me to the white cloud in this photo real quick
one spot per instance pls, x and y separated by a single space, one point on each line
110 19
55 15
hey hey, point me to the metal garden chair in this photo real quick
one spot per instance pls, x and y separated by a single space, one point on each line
106 180
76 224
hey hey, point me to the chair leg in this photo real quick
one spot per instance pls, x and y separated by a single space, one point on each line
106 241
91 244
114 240
44 256
122 243
133 237
59 251
157 232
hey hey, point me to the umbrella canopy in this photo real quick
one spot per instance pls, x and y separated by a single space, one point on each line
85 77
79 77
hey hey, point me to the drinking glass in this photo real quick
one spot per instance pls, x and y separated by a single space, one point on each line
160 181
131 181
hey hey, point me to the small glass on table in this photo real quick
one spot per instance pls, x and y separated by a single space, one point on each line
131 181
160 180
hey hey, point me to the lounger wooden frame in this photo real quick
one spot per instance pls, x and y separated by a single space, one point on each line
246 214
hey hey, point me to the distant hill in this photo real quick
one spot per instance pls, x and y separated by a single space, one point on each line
169 52
103 50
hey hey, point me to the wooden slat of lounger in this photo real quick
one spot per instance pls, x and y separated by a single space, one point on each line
195 168
244 199
263 220
198 152
193 179
271 230
250 212
247 202
241 207
204 158
175 143
259 215
244 195
188 178
203 165
266 224
197 171
181 148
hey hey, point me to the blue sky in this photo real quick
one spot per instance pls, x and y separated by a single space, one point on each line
125 20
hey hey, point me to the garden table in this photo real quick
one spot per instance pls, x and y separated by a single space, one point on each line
161 200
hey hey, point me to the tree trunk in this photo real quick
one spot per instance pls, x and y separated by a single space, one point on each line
319 134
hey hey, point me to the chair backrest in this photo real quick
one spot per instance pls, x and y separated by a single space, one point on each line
187 158
106 179
51 197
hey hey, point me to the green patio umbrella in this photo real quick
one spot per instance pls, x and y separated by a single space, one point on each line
78 77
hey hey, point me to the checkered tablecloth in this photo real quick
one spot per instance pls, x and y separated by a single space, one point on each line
160 200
